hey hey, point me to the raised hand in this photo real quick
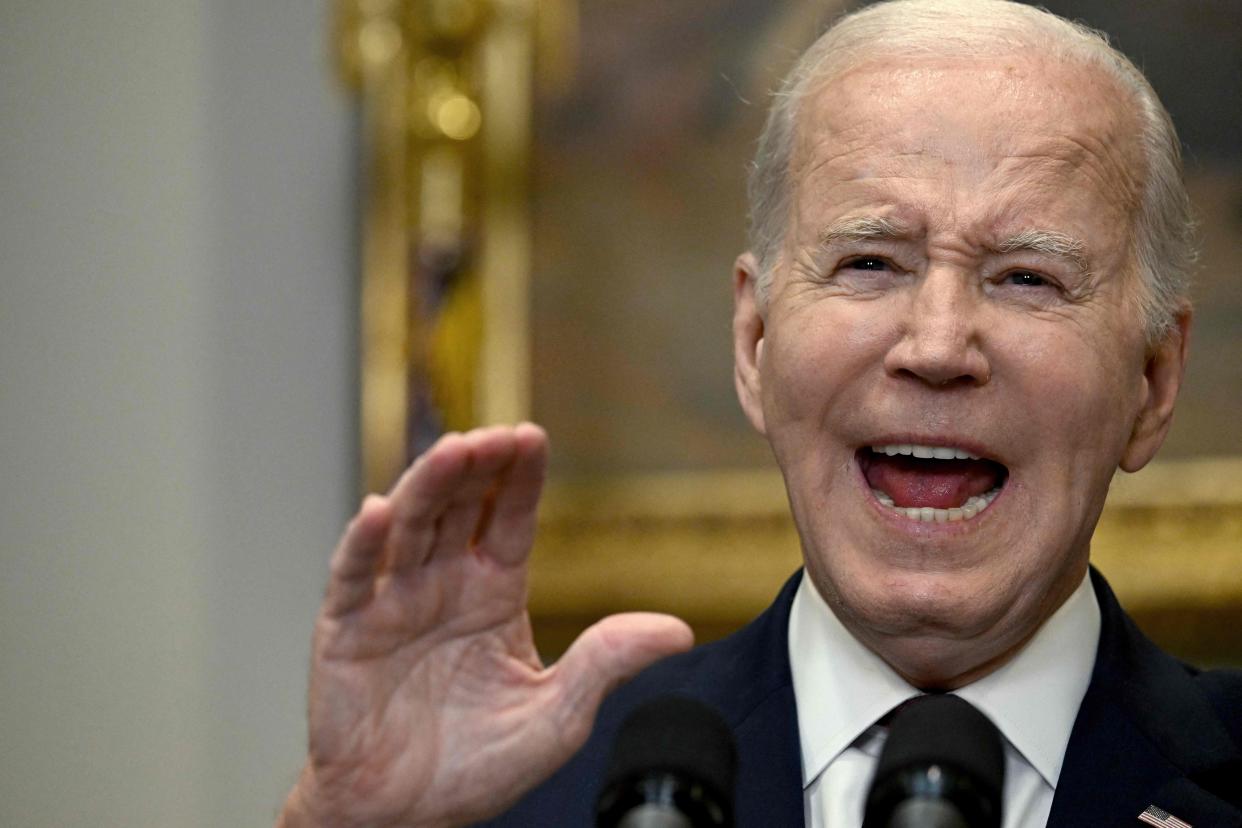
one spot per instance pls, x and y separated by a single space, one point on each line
428 703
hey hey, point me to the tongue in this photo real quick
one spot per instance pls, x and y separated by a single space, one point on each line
941 484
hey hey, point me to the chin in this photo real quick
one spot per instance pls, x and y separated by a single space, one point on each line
934 628
943 605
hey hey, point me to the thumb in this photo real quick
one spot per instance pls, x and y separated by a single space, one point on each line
611 651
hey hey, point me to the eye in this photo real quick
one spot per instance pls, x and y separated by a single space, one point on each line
866 273
1024 278
865 263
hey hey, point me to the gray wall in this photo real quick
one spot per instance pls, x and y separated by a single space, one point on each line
176 401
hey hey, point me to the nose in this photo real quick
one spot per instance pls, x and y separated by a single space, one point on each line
940 340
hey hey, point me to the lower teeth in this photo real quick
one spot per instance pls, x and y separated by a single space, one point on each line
928 514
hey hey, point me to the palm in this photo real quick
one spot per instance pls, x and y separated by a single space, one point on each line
429 705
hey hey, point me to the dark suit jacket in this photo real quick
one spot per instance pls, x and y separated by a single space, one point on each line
1151 731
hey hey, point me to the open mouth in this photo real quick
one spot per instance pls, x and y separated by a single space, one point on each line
932 484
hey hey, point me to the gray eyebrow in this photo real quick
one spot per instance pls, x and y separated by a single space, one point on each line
1050 243
863 228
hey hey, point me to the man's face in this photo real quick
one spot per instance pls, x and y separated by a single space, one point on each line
957 275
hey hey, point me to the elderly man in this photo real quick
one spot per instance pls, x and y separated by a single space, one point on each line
962 311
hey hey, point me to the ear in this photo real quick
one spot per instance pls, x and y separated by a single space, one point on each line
748 339
1162 379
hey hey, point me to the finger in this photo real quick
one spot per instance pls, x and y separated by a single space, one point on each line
421 497
507 529
358 558
439 500
610 652
492 451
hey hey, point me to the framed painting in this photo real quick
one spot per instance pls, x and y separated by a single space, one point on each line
599 233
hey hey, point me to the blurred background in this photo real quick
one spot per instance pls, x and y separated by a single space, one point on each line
181 243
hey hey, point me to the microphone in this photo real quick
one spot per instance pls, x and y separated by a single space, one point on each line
673 766
942 767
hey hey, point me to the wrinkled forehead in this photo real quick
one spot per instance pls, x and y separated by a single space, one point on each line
886 116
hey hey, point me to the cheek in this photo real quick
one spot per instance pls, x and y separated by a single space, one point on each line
1081 389
817 358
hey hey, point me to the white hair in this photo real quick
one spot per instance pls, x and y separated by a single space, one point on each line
1163 235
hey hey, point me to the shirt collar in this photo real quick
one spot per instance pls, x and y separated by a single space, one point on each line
841 688
1034 697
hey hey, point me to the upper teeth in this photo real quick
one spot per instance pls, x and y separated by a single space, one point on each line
926 452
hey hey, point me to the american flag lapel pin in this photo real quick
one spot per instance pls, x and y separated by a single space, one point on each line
1161 818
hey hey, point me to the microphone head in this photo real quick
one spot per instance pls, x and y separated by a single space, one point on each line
940 747
672 751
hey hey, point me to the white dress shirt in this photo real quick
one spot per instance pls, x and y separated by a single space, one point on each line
842 689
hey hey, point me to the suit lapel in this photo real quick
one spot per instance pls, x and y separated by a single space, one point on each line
750 682
1144 735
